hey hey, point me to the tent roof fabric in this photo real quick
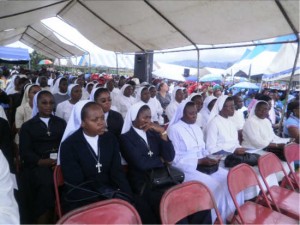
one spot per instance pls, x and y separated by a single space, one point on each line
38 37
132 26
14 55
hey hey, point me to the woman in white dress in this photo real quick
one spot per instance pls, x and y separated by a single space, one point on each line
64 108
258 132
190 151
176 99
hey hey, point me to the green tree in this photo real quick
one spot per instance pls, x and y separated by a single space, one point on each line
35 59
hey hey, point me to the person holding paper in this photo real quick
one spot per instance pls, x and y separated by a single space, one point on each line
190 151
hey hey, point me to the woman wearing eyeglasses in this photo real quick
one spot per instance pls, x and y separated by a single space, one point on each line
114 120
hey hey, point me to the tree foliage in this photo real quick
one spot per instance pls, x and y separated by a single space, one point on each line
35 59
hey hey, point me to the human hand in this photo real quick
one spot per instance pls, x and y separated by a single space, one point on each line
207 161
240 151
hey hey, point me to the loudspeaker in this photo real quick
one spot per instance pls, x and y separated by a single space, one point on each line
186 72
143 65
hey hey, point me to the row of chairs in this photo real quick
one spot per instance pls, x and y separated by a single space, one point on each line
276 206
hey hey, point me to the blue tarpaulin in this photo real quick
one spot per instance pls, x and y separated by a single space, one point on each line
14 55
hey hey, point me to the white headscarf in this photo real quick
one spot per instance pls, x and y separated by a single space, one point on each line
131 116
174 92
25 98
123 89
139 93
207 100
92 95
252 111
35 109
70 87
87 85
74 122
217 107
55 88
11 86
194 94
179 112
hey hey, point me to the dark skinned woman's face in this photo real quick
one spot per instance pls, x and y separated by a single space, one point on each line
190 114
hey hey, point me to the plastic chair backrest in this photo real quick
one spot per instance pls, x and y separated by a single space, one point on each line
240 178
113 211
186 199
291 153
58 182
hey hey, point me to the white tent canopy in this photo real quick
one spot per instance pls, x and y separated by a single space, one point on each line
282 65
131 26
44 41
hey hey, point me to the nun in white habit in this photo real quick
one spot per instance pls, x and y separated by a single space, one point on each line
143 96
64 109
176 98
124 100
258 132
205 111
221 132
187 139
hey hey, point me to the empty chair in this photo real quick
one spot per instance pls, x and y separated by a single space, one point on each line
240 178
186 199
284 200
58 182
113 211
292 154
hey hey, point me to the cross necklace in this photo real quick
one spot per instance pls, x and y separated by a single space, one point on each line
150 153
98 164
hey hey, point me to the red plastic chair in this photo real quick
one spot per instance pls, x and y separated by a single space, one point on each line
113 211
186 199
240 178
285 201
292 154
58 182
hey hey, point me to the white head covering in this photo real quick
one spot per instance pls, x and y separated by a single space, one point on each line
131 116
11 85
87 85
92 95
74 122
25 98
217 107
35 109
55 88
179 112
37 82
174 92
206 102
70 87
139 93
194 94
252 111
123 88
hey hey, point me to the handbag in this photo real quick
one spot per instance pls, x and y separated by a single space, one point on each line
278 152
208 169
248 158
165 176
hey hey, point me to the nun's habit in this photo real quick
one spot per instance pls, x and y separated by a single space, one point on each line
91 163
204 112
172 107
143 151
189 147
221 133
59 96
39 137
123 103
64 109
258 133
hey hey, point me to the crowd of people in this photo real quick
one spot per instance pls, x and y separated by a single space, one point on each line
107 134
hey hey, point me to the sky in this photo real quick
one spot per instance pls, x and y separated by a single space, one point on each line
98 54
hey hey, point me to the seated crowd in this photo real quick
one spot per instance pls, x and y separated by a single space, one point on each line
107 136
